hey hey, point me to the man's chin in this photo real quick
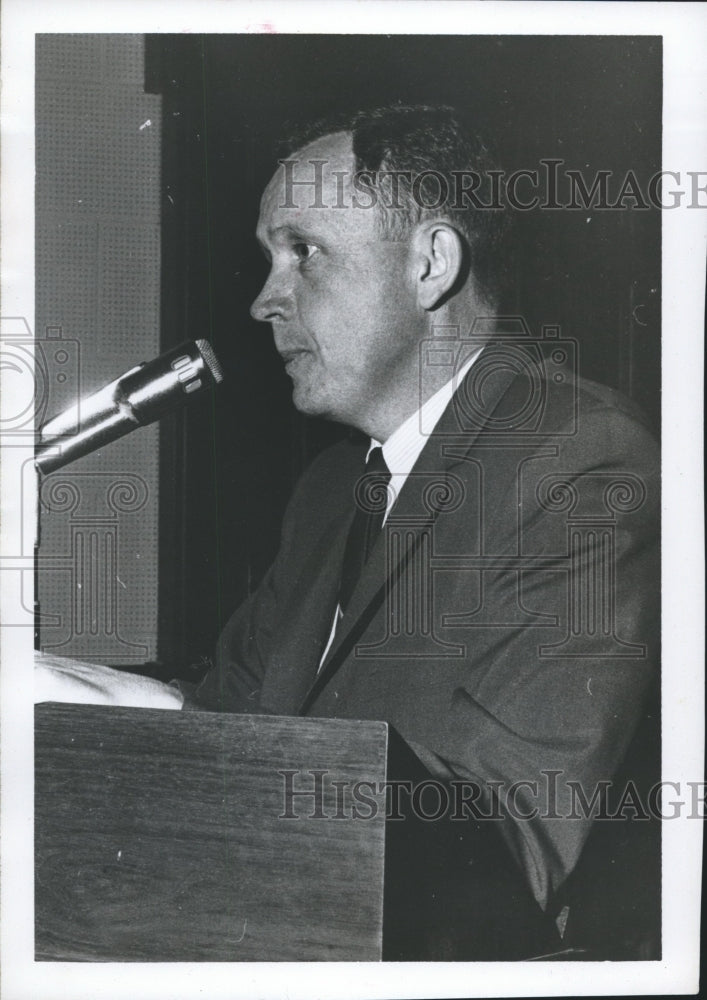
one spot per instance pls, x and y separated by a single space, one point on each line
311 404
305 400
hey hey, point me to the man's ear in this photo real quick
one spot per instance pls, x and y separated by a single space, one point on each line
438 257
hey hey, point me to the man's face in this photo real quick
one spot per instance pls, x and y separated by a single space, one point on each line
339 297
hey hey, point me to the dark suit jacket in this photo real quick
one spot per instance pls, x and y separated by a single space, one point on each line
506 624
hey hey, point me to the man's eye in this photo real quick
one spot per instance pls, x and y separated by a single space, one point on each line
303 251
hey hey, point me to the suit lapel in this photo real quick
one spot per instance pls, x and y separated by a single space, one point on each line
416 507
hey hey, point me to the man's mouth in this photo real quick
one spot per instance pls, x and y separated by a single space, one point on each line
291 356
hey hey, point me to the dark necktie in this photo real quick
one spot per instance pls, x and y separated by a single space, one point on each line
371 495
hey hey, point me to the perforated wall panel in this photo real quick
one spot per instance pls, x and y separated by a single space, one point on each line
97 314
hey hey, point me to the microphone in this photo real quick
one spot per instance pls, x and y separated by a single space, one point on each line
139 397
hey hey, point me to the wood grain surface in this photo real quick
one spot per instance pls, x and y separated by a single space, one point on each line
159 837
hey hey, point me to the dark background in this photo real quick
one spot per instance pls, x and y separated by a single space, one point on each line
230 463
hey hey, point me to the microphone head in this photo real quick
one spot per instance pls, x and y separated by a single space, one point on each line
139 397
212 363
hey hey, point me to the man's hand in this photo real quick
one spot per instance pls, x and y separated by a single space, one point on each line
58 678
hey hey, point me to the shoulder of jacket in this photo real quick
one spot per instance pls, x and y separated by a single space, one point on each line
331 473
596 396
583 403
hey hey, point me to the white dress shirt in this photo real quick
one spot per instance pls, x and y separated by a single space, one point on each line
402 449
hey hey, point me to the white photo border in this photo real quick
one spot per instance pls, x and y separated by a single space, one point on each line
683 27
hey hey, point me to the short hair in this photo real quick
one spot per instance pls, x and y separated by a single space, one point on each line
433 144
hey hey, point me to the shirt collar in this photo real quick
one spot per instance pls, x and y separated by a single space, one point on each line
402 449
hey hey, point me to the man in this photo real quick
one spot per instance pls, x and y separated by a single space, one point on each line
493 597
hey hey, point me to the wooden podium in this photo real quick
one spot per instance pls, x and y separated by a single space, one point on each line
184 836
196 836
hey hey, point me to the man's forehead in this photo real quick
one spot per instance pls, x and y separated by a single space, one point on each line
311 177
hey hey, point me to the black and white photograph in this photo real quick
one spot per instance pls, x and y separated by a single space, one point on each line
352 627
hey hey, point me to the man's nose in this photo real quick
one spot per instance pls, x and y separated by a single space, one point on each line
274 301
